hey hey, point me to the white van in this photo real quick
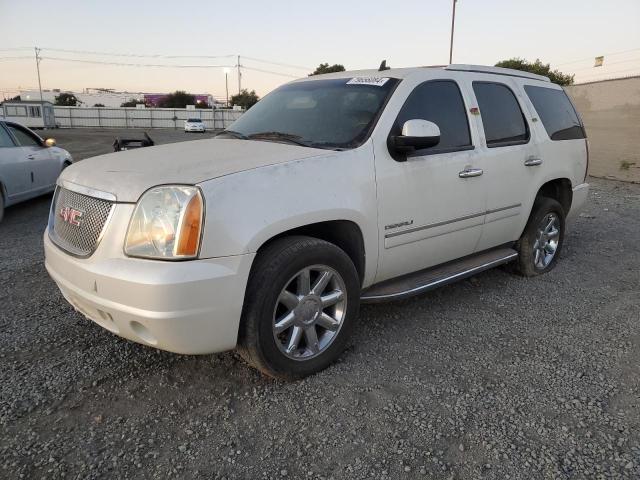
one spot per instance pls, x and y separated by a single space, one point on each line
333 190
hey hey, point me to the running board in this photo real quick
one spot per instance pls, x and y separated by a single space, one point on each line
425 280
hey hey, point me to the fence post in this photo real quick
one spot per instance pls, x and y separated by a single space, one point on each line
70 118
99 122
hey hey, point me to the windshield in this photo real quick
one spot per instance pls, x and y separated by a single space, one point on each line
194 120
335 114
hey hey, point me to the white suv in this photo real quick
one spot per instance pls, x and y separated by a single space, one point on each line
331 191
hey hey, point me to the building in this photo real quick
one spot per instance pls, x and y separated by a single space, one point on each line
30 113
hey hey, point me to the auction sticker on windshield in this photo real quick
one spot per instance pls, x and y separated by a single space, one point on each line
377 81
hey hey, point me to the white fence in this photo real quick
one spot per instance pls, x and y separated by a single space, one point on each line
107 117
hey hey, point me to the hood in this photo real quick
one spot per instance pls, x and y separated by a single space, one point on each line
128 174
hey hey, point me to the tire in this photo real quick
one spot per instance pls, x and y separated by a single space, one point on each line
275 306
540 245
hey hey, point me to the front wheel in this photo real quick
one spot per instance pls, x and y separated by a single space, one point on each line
300 308
540 245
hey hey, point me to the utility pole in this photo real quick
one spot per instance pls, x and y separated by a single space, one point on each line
239 76
37 50
226 85
453 23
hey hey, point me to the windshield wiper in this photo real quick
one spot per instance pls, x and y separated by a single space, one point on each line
287 137
234 134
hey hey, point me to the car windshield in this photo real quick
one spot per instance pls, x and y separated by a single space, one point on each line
194 120
333 114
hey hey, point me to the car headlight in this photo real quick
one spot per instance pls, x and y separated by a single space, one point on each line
166 224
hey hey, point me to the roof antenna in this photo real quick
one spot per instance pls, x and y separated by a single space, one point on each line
383 66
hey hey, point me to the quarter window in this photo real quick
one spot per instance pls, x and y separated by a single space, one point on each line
440 102
558 116
502 118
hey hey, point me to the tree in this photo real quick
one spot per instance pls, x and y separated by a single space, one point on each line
98 104
201 104
245 99
539 68
67 100
132 103
325 68
177 99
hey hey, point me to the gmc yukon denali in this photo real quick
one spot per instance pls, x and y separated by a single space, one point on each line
351 187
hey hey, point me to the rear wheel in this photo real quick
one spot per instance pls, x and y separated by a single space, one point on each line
300 308
540 245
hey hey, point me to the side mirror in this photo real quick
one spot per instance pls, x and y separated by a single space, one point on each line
416 135
50 142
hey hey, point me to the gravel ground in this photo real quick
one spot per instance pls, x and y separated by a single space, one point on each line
494 377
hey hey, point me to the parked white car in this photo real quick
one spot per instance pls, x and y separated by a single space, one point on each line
29 165
194 125
333 190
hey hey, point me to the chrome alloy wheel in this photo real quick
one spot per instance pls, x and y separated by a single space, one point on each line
547 238
309 312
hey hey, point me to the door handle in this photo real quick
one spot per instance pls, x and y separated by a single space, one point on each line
470 172
532 162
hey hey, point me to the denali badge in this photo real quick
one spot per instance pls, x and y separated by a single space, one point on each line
71 216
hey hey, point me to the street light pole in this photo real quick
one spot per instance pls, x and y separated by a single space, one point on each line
239 76
453 23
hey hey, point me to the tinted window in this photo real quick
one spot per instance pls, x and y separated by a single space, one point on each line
502 119
5 139
439 102
558 116
194 120
24 138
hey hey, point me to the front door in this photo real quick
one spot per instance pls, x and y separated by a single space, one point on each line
15 174
43 169
431 203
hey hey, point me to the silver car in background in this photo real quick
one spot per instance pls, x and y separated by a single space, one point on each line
29 165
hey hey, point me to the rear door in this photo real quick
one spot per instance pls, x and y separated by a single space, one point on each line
43 169
510 156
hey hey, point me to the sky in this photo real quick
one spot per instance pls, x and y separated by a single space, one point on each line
358 34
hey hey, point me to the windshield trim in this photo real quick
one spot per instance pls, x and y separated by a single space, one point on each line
355 143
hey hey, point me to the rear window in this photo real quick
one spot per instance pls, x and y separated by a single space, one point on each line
558 116
502 119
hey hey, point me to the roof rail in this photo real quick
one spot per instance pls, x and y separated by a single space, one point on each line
496 71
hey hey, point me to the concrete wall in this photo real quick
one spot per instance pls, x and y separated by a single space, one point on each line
611 113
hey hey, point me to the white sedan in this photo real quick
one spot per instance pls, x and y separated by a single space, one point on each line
194 125
29 165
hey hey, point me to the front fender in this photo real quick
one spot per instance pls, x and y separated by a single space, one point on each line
246 209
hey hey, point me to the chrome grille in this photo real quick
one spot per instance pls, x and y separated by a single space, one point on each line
77 234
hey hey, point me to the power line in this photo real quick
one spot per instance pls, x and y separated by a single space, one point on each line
14 49
605 74
270 72
591 58
259 60
17 58
123 64
135 55
607 64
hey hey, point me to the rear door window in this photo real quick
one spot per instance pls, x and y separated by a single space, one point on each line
558 116
440 102
503 121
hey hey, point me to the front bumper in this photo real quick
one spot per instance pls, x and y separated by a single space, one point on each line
194 129
190 307
578 200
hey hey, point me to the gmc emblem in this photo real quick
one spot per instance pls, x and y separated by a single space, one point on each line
71 216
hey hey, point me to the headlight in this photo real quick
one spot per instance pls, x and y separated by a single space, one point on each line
166 224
